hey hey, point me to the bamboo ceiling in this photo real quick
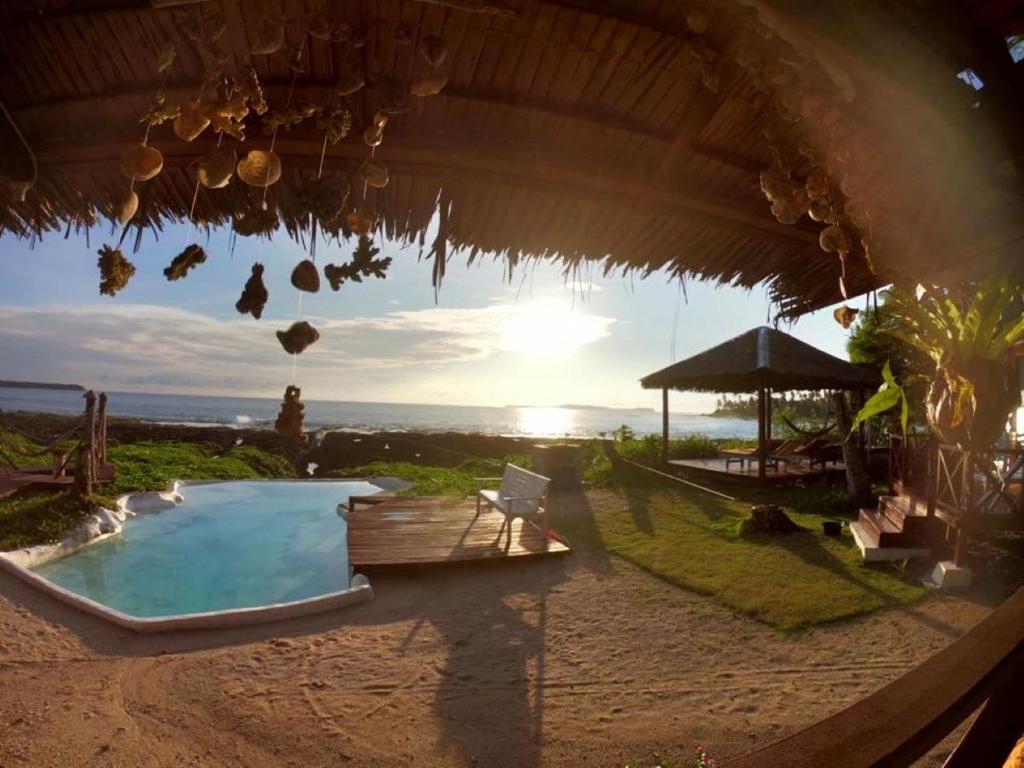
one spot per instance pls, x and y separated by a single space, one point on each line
626 134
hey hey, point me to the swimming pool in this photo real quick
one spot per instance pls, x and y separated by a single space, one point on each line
230 545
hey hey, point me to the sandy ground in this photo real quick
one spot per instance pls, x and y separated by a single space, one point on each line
582 660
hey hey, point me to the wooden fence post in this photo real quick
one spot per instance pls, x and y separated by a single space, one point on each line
89 438
101 418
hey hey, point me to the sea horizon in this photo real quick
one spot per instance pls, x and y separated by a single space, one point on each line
250 412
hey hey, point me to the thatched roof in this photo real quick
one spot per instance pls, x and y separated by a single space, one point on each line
623 134
761 357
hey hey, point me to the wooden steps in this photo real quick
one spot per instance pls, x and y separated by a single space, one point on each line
898 529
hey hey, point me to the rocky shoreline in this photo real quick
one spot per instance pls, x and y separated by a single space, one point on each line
328 450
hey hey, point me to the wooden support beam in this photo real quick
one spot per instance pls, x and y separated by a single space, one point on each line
762 448
664 424
534 168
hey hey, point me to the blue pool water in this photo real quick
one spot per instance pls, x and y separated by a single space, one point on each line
229 545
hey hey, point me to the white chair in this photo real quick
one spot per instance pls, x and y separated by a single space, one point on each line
521 494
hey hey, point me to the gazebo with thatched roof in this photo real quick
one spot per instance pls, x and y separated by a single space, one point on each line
762 360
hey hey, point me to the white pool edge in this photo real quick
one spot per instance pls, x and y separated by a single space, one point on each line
19 562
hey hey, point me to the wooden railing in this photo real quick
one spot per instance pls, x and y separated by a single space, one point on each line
907 718
910 459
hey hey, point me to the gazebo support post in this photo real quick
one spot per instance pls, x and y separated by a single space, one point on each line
762 451
768 414
664 425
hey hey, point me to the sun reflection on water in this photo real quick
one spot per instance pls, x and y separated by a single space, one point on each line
545 422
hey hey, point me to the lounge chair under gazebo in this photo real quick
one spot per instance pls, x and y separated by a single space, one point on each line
762 360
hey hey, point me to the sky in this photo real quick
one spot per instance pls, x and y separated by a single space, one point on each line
538 338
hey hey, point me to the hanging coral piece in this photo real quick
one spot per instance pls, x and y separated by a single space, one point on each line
191 122
428 86
335 122
184 262
286 118
845 315
817 184
374 173
392 94
217 167
434 50
160 111
256 221
289 420
298 337
364 264
305 276
141 163
259 168
115 270
165 58
325 198
254 295
128 207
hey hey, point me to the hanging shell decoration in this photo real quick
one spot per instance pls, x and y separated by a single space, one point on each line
820 209
361 222
165 58
374 173
217 167
834 239
428 86
325 198
256 221
289 420
776 185
434 50
335 122
115 270
817 184
392 94
319 26
160 111
268 37
259 168
786 211
845 315
254 295
191 122
698 18
185 262
306 277
298 337
128 208
141 162
349 81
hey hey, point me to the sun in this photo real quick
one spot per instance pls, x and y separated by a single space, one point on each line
548 328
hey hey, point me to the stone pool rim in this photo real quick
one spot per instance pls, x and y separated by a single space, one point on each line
359 591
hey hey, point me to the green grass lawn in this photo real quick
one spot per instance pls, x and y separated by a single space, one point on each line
37 517
457 481
694 540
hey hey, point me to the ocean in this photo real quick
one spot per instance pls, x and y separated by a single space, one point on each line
256 412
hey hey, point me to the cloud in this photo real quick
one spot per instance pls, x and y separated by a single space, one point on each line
155 348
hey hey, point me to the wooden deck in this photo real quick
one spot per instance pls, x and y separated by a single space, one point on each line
420 530
785 472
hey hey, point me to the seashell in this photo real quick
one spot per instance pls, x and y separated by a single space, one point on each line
375 173
217 167
373 137
128 207
775 185
817 183
319 26
786 211
141 162
299 336
800 199
434 50
834 239
259 168
392 94
306 277
379 120
360 222
349 81
254 295
845 315
190 122
820 209
428 86
268 37
698 19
